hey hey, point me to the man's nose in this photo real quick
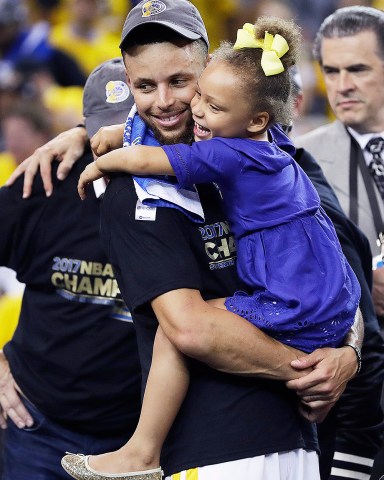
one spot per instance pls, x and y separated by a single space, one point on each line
345 82
165 97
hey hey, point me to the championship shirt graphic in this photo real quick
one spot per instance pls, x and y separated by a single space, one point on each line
88 282
219 245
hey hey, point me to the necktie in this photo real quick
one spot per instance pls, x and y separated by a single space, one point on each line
375 146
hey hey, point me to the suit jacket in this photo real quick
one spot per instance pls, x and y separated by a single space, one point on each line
346 430
331 147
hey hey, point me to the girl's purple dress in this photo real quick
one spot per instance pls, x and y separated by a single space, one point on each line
300 288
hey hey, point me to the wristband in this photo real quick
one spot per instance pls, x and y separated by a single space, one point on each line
358 355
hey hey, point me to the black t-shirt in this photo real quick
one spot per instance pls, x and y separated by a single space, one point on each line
74 352
224 417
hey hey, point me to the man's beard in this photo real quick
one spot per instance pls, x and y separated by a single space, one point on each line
184 137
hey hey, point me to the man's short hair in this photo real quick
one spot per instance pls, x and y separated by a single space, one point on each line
350 21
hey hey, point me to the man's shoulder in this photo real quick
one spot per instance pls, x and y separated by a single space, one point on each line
67 189
321 133
327 143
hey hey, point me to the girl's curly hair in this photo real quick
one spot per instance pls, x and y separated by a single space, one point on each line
270 94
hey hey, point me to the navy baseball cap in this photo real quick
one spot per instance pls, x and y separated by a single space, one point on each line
180 16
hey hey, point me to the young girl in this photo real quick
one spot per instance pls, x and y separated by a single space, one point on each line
299 286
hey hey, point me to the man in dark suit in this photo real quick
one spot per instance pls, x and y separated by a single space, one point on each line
350 49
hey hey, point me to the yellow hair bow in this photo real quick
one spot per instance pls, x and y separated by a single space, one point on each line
274 47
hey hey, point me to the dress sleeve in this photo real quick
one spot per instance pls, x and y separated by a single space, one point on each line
202 162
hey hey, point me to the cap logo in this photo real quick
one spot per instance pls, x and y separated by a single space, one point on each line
153 7
116 91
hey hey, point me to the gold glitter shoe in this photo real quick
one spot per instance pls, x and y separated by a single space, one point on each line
77 466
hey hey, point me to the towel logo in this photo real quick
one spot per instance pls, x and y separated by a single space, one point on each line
116 91
153 7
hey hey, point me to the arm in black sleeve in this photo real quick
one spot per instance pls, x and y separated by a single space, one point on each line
18 219
357 426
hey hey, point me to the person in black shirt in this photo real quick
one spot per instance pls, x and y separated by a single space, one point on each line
228 425
70 377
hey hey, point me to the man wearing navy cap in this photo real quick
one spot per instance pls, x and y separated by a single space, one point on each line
229 426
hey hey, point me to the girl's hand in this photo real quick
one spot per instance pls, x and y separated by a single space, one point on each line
107 139
90 174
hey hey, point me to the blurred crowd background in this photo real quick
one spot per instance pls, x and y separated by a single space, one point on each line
48 48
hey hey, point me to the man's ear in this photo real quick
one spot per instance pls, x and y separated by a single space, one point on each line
209 56
126 72
127 79
259 122
298 104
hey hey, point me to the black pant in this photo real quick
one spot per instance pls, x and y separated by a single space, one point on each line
355 425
